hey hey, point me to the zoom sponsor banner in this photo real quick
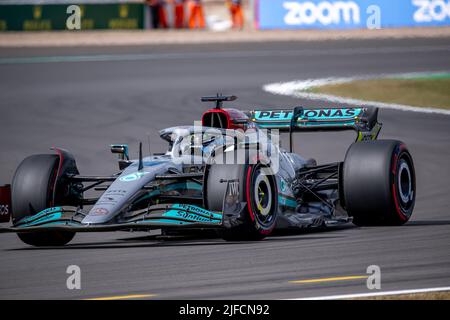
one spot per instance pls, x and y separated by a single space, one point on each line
347 14
56 16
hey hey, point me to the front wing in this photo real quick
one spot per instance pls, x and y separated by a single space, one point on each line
154 217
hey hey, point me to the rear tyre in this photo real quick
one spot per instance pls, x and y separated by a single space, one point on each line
379 184
257 189
32 192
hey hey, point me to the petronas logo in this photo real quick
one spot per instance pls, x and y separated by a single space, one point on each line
123 10
37 12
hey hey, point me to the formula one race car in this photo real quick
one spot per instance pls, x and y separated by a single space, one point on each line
228 174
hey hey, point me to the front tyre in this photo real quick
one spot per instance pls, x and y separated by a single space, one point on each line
31 192
258 191
379 183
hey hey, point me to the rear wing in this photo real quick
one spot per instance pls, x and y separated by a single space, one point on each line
362 120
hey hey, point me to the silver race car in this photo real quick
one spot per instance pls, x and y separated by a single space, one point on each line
228 174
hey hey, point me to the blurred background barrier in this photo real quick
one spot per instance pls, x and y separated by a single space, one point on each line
342 14
219 15
46 15
53 15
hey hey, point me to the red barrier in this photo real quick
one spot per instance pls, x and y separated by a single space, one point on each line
5 203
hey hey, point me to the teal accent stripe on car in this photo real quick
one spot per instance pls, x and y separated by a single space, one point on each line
50 217
309 118
39 215
166 221
332 114
148 196
183 186
311 124
181 214
46 215
198 210
287 202
171 187
189 216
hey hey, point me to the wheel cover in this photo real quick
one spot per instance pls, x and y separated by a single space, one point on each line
405 182
404 185
263 195
263 199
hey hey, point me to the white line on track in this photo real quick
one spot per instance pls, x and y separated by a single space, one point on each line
298 89
375 294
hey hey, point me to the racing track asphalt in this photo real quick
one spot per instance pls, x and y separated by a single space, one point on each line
86 105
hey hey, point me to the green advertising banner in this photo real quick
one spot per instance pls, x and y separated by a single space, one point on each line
54 16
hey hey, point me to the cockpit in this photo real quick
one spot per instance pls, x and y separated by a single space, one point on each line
220 128
199 141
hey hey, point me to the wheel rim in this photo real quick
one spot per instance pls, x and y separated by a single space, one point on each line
405 182
263 195
263 199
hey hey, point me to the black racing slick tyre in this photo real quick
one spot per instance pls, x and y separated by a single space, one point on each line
32 192
257 190
379 183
